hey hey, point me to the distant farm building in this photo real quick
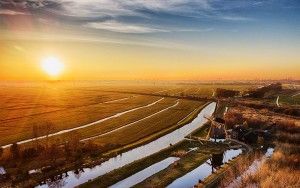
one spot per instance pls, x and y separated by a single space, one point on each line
225 93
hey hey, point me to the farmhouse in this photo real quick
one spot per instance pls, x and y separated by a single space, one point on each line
242 133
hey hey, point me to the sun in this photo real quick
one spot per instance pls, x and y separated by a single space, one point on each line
52 66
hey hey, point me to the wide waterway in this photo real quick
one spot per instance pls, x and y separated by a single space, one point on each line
73 179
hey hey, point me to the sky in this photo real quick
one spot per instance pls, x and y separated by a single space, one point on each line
150 39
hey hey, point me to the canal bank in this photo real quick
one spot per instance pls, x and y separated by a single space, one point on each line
175 136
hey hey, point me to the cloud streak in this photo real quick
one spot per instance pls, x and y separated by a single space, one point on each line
115 8
122 27
11 12
120 15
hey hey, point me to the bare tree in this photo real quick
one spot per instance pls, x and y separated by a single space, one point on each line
53 152
72 144
1 152
15 151
35 134
48 128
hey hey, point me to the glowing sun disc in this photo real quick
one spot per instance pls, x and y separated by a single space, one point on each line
52 66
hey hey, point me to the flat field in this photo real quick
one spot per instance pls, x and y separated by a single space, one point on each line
91 120
66 106
151 125
102 111
63 110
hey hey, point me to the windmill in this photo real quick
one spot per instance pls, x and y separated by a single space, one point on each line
216 125
217 128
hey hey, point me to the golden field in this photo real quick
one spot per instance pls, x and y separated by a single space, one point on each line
57 106
67 106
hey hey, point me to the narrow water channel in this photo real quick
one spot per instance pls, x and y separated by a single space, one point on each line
144 174
204 170
73 179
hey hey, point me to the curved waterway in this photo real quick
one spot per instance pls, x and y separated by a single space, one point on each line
73 179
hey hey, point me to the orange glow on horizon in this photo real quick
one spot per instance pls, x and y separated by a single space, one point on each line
84 61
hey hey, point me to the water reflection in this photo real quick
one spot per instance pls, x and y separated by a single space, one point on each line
204 170
138 153
217 160
147 172
77 173
251 169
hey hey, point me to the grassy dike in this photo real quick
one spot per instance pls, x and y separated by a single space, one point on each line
158 134
185 165
163 178
132 168
182 167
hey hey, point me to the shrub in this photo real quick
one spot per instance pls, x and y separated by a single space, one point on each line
30 153
232 119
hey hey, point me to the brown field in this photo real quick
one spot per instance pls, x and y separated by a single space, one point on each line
64 106
68 105
99 120
66 117
117 122
282 168
151 125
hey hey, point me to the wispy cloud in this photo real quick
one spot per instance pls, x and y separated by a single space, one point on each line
193 30
67 37
27 4
11 12
126 16
122 27
116 8
237 18
19 48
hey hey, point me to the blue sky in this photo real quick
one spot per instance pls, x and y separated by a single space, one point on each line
229 29
160 16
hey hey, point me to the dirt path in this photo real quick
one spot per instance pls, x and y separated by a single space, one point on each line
127 125
87 125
